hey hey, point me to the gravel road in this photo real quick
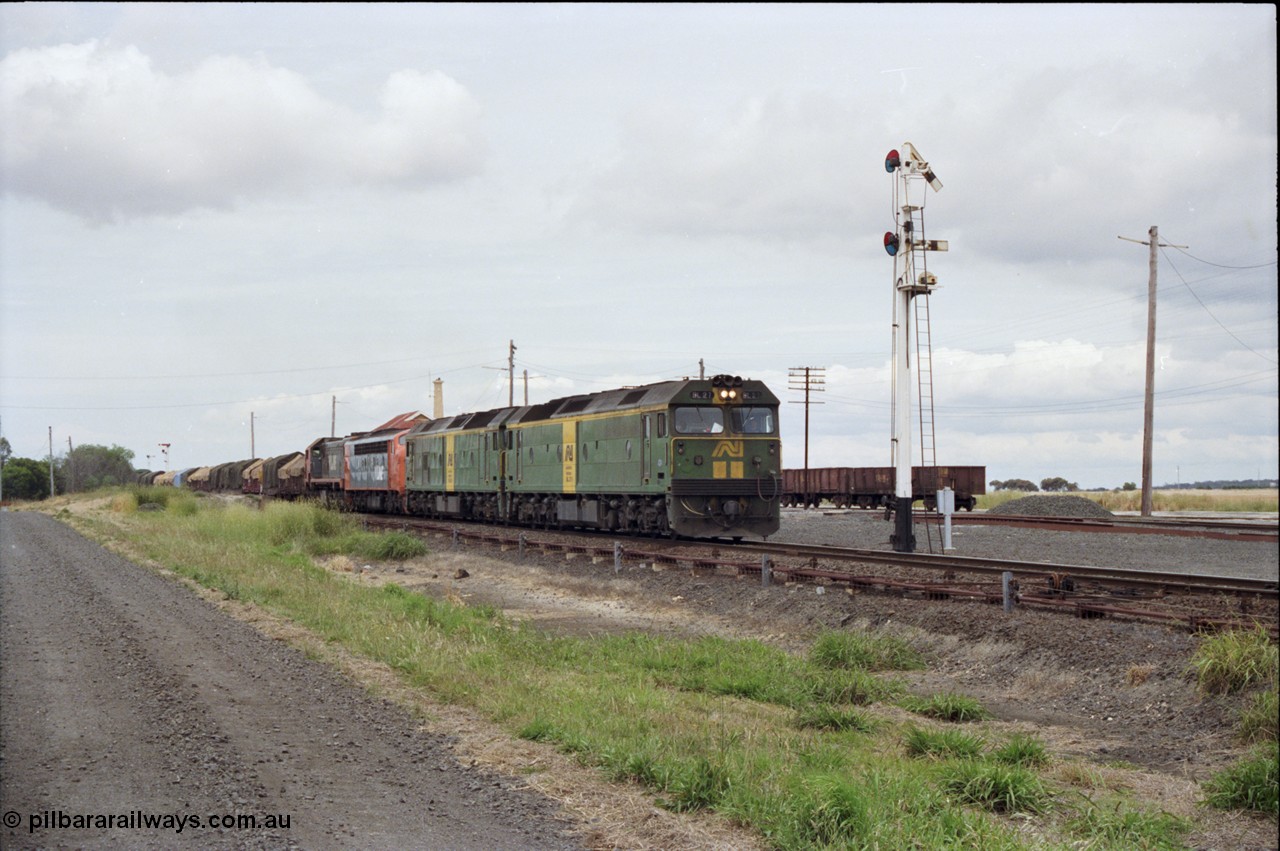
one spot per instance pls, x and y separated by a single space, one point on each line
127 697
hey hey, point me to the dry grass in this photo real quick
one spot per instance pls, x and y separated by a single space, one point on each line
1139 674
1245 500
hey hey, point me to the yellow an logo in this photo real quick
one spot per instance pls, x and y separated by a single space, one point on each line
730 449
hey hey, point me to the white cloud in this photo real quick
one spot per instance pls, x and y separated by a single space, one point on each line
778 166
99 132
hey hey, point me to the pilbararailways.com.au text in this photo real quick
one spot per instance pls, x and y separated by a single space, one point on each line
141 820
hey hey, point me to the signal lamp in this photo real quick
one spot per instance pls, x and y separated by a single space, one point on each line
892 161
891 243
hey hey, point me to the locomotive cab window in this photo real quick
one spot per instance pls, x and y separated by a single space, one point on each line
690 420
748 420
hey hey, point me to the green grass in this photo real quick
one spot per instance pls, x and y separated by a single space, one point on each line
1023 750
1253 783
1231 661
861 651
800 748
947 706
942 744
1119 825
997 787
1259 719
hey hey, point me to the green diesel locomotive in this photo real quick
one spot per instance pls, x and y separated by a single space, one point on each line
696 458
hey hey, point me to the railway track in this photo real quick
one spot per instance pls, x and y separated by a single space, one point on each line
1230 530
1196 602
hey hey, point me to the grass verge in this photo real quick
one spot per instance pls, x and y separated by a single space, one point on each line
808 751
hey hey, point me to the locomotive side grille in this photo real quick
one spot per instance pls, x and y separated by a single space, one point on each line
726 487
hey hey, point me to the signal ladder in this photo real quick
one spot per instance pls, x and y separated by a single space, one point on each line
918 268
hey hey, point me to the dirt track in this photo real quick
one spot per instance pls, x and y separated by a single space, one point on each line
125 695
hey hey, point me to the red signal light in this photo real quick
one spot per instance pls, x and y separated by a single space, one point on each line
892 161
891 243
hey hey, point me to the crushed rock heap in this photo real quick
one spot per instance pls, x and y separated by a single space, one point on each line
1052 506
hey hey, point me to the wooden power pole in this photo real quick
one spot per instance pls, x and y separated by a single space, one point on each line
1149 401
809 379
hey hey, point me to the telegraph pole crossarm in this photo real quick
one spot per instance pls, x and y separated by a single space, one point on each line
810 379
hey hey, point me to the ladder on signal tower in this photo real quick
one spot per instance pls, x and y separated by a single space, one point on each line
919 266
924 343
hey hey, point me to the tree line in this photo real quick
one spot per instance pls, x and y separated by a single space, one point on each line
1055 484
84 468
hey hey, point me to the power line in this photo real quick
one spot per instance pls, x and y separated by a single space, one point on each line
1221 265
1194 295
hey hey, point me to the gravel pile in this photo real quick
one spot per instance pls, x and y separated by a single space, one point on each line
1052 506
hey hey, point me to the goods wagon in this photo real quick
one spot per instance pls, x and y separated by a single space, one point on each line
873 487
282 476
699 458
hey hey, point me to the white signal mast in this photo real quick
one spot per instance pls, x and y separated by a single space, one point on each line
911 277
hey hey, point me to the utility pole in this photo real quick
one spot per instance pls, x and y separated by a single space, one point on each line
51 490
71 467
511 374
253 452
1149 402
333 417
164 450
702 370
809 379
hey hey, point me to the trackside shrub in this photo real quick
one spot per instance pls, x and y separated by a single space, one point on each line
860 651
947 706
1022 749
943 744
1259 720
1253 783
1120 826
835 718
1231 661
997 787
831 811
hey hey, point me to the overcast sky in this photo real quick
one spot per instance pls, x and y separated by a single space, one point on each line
218 213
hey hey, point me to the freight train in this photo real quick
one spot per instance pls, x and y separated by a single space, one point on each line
873 487
699 458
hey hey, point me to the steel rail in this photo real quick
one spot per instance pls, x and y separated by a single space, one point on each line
1216 529
1056 573
1106 595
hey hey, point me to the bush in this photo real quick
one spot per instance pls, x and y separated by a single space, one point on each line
1259 720
1251 784
1000 788
947 707
1022 749
864 652
942 743
825 717
1231 661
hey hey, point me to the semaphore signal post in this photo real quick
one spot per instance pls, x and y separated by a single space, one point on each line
907 245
